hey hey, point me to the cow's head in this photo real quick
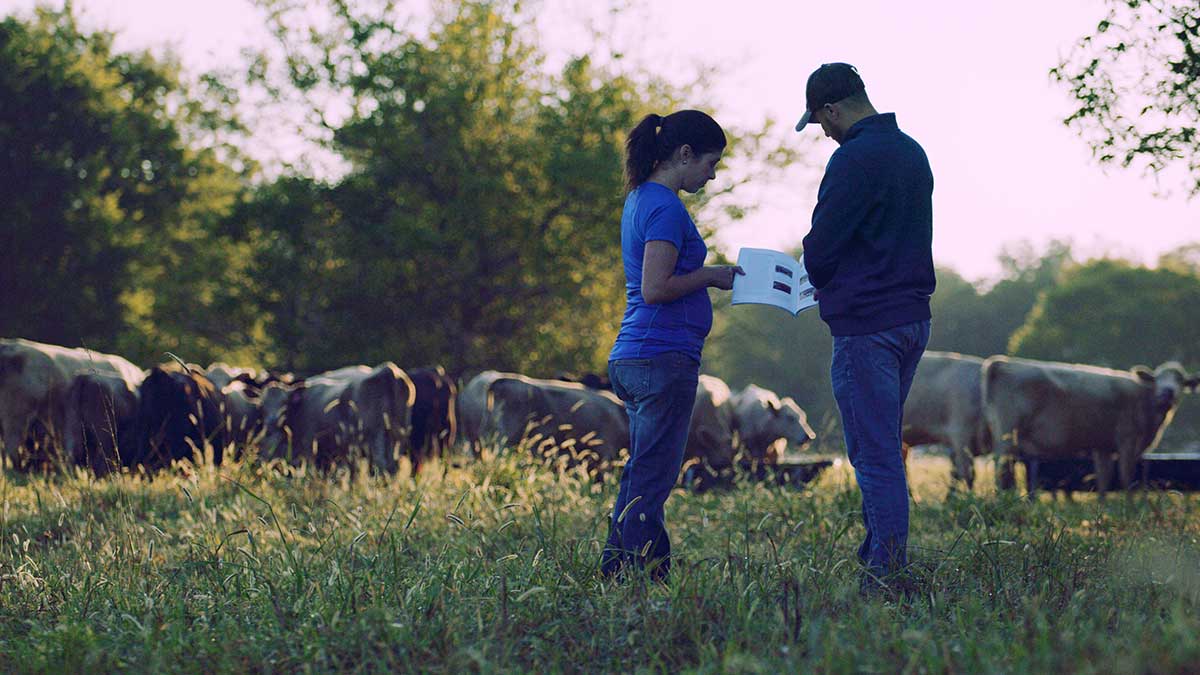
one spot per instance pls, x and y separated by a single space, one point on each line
273 411
1163 389
797 429
1171 381
784 423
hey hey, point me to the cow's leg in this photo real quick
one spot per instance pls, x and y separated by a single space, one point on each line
1032 469
1127 464
962 467
1005 461
1104 469
14 428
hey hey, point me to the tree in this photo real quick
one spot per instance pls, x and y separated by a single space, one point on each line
1112 313
1184 259
110 238
475 224
976 319
1136 82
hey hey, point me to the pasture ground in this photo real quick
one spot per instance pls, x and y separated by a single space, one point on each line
489 568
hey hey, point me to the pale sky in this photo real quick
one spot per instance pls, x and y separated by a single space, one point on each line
968 80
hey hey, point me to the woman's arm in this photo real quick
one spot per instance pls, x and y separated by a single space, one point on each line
661 285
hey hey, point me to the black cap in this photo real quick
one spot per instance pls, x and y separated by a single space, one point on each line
830 83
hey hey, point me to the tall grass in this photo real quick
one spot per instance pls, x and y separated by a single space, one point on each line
489 567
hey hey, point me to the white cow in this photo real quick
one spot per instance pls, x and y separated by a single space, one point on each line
34 378
590 425
1038 410
944 407
326 418
766 424
710 436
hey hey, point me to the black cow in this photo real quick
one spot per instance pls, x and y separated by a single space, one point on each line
434 424
178 413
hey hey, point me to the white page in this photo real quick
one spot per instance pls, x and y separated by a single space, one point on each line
772 278
805 293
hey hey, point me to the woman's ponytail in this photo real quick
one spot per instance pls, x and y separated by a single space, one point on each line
641 151
656 138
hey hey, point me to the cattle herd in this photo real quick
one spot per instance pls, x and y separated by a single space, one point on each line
74 407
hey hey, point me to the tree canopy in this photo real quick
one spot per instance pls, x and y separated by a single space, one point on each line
476 225
1113 313
111 233
1136 85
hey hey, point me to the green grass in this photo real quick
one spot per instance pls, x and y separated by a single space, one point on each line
489 568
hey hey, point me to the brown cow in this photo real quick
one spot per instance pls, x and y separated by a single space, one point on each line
179 416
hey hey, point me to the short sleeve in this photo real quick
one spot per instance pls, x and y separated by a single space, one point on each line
667 222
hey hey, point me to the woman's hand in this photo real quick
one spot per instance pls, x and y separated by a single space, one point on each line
723 275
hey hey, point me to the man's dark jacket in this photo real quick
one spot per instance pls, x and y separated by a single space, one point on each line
869 251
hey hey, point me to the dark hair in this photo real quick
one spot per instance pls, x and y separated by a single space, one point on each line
656 138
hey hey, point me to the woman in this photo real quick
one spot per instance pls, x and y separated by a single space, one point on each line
655 362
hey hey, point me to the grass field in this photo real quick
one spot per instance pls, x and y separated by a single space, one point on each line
489 568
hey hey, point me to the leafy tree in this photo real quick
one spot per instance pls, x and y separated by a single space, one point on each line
1184 259
475 225
1136 82
979 320
111 214
959 310
1112 313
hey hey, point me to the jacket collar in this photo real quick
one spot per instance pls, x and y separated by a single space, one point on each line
880 122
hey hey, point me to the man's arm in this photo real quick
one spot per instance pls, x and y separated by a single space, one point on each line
843 202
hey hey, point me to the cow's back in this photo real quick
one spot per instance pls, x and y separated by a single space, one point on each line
34 378
1057 409
512 404
472 405
101 413
597 421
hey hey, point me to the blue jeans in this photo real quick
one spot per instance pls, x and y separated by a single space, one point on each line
871 377
658 392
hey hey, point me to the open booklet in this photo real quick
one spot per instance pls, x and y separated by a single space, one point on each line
772 278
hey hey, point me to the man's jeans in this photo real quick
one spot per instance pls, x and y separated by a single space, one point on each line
871 377
658 392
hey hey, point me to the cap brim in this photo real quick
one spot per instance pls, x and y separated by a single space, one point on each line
805 120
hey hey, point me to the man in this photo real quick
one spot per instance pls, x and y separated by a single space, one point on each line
869 256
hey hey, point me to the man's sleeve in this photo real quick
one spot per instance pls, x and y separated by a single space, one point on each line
844 199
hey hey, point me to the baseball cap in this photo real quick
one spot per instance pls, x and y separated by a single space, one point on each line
830 83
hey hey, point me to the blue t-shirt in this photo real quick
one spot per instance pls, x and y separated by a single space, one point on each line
654 213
